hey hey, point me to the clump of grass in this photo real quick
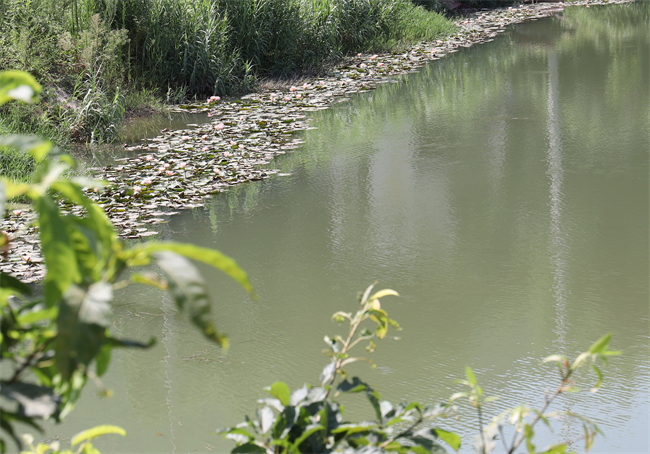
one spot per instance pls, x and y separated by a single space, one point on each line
16 165
92 53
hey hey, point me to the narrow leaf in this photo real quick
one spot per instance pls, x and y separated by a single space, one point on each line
209 256
187 287
382 293
96 432
56 244
601 344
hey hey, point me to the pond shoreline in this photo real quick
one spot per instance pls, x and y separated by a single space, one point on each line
179 169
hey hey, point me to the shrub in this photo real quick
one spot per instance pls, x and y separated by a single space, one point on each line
310 420
48 344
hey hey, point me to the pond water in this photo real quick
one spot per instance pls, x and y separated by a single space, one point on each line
502 191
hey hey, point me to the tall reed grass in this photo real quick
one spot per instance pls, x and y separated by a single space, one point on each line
92 51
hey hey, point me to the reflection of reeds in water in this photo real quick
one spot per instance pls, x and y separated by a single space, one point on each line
558 236
556 174
170 346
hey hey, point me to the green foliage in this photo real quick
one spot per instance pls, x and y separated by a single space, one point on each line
82 439
309 420
48 345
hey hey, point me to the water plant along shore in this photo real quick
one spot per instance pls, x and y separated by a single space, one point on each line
179 169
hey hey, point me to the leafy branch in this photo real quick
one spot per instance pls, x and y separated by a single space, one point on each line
60 337
524 419
308 420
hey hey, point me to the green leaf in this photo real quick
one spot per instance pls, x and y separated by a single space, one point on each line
382 293
450 438
58 250
471 378
81 323
248 448
312 428
239 431
601 344
18 85
458 396
355 386
97 228
34 145
282 392
557 449
102 360
600 377
33 401
209 256
187 287
29 318
8 281
151 279
3 199
96 432
420 450
558 358
350 429
530 433
430 445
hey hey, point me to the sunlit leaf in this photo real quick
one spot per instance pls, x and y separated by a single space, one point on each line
382 293
96 432
82 321
471 378
558 358
282 392
266 418
600 377
450 438
209 256
58 250
188 288
601 344
328 372
18 85
13 189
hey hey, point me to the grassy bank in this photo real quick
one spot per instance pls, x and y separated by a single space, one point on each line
99 58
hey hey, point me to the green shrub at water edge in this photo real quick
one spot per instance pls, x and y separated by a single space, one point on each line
310 419
51 345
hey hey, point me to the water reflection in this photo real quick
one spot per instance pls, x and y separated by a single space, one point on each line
559 247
